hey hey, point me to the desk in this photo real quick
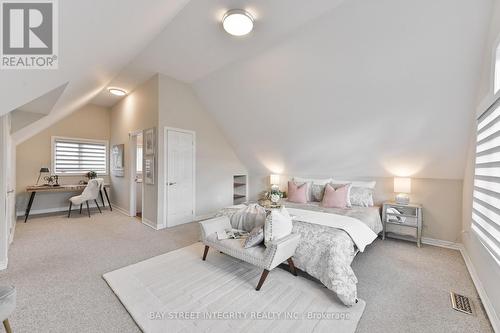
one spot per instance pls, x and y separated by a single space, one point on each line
61 188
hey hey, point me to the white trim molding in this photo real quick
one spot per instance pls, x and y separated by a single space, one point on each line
120 209
441 243
150 224
490 311
4 264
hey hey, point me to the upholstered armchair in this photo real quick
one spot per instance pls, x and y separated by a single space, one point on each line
261 256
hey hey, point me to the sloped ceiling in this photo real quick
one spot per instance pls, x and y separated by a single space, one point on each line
371 88
194 43
96 39
330 87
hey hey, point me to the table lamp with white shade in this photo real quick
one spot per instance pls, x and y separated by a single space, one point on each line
402 186
275 182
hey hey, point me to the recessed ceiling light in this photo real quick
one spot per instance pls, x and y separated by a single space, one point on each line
237 22
117 91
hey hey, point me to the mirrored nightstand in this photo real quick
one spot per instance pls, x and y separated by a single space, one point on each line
402 221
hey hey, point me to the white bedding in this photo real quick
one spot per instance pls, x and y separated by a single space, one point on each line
359 232
325 250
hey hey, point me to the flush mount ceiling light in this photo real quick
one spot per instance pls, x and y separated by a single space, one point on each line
237 22
117 91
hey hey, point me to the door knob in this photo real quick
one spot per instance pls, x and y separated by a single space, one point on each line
170 184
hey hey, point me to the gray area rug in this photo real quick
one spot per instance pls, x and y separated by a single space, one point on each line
178 292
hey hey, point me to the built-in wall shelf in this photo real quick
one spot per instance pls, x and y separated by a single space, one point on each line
239 189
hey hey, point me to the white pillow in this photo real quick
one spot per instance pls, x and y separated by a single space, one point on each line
278 225
367 184
310 182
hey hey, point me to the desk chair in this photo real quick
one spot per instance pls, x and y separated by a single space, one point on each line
91 192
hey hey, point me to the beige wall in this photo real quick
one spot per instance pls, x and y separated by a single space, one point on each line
136 112
441 199
216 162
164 102
89 122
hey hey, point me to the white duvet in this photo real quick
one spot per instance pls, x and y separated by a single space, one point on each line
360 233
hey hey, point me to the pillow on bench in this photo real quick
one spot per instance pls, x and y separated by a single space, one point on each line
278 225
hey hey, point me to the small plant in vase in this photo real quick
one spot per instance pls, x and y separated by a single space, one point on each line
274 195
91 175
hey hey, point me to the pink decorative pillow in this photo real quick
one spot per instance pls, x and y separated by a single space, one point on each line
297 194
335 198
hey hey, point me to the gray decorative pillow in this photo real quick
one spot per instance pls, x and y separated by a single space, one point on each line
255 237
361 196
317 192
246 218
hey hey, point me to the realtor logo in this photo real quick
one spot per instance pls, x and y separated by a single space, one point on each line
29 34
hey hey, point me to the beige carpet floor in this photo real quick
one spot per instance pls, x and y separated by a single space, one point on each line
56 265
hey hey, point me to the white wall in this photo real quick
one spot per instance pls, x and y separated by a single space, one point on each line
164 102
484 265
372 88
137 111
216 162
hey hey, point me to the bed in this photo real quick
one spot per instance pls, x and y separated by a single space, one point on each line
326 252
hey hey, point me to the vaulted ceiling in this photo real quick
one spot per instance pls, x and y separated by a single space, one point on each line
330 87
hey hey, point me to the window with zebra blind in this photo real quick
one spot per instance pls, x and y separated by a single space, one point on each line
71 156
486 201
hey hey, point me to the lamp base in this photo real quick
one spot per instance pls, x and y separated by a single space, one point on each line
402 199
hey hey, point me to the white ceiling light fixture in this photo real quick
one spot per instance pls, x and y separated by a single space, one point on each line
237 22
117 91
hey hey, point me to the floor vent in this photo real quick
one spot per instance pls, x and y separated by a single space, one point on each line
461 303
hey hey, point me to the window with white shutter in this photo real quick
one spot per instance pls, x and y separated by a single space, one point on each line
486 201
72 156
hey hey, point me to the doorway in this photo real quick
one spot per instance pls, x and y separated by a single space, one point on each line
136 177
180 171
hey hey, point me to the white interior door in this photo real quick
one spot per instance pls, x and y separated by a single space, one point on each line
180 176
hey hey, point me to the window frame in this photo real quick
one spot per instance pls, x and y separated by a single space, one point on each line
76 140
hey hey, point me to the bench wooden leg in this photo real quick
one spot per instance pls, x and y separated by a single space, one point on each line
7 326
262 279
205 252
292 266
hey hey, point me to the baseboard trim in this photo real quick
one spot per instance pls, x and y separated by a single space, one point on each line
4 264
490 311
149 223
200 218
120 209
54 210
441 243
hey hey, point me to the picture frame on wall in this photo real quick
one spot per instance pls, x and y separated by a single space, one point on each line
118 160
149 141
149 170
